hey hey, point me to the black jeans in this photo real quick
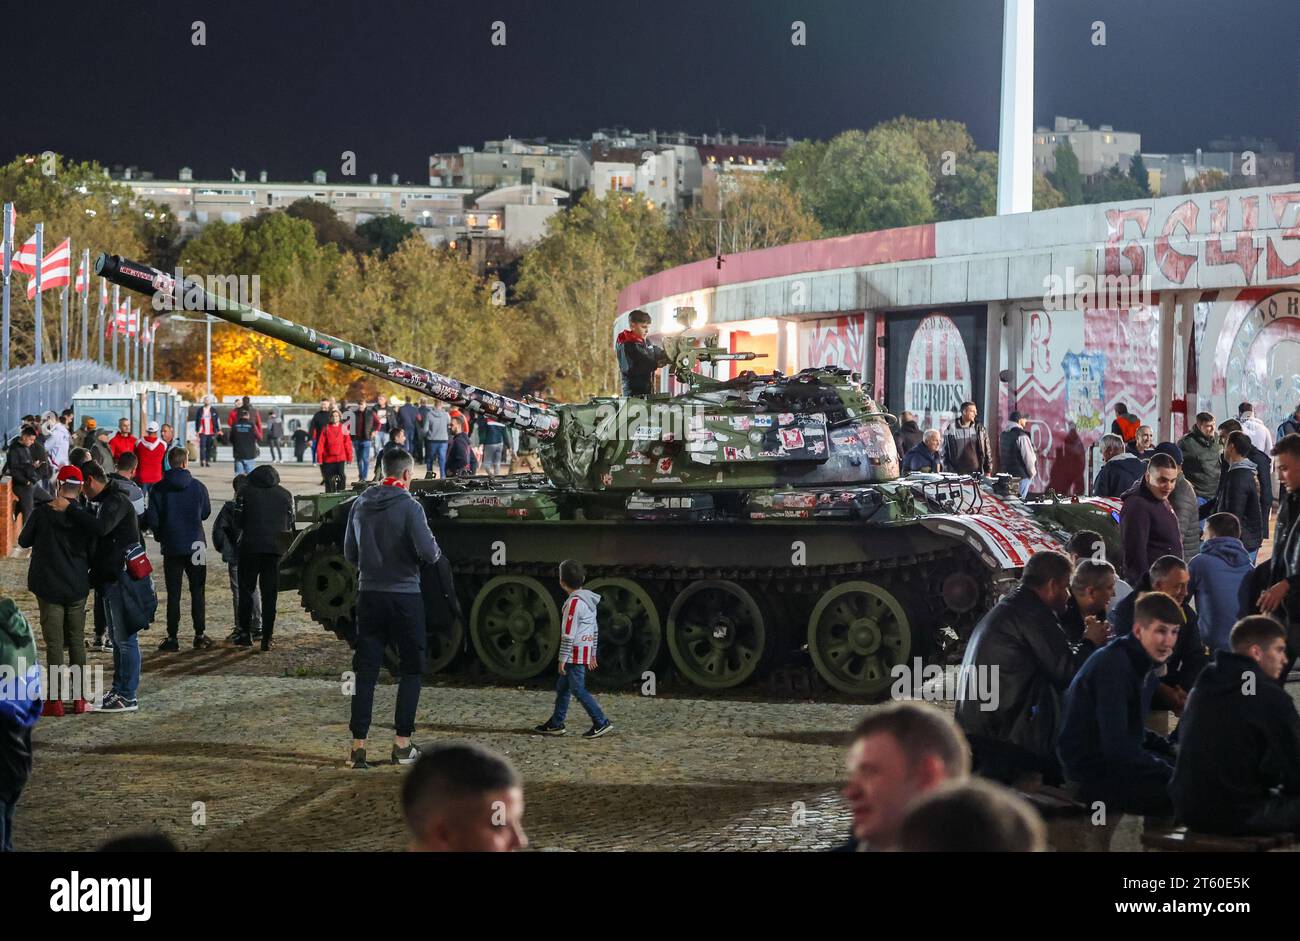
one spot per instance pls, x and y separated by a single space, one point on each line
1009 764
274 445
258 570
175 566
387 618
334 476
1143 790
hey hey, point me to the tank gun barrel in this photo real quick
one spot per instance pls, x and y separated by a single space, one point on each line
152 282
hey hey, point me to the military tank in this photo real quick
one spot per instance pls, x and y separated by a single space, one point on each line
749 525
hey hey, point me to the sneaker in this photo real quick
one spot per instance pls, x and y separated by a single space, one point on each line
406 756
357 759
169 645
117 703
202 642
232 636
596 731
547 729
243 640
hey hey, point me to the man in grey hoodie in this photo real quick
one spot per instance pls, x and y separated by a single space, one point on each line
387 539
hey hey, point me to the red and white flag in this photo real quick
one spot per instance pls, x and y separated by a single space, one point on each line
24 260
80 286
123 321
56 269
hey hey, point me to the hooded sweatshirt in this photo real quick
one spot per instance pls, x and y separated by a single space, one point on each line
1238 494
177 508
150 451
1234 746
387 538
1216 573
578 640
20 704
267 513
59 572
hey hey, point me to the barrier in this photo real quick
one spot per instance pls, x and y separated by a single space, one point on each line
31 390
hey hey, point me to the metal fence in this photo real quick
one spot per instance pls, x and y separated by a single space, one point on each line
31 390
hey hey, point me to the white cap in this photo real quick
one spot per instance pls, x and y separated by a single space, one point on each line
152 428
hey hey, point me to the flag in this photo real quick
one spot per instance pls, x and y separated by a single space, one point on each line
121 322
24 260
80 286
56 269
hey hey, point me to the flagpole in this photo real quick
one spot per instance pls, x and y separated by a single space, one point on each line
116 299
4 343
130 342
85 304
40 263
63 340
99 318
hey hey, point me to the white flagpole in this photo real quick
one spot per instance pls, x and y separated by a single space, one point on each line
8 259
40 263
116 300
99 319
85 304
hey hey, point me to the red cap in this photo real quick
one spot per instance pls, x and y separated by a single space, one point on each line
69 474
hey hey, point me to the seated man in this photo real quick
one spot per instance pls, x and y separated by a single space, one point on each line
1105 747
1092 587
927 456
1168 574
1013 738
898 753
972 817
1238 767
464 798
637 359
1088 544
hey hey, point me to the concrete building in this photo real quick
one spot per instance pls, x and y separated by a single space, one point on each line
501 163
1097 149
523 211
1172 305
1170 174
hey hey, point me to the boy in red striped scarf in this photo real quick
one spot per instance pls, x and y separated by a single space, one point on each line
577 654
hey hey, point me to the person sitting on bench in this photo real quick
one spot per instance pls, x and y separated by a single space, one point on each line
1238 769
1105 747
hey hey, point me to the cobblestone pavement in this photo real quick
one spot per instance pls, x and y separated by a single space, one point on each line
258 740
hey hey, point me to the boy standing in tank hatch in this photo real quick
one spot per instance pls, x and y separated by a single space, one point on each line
577 654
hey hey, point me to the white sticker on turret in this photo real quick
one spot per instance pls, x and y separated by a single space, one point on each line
741 422
762 421
791 438
665 466
647 433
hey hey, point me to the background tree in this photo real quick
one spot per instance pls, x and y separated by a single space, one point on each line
971 191
1046 196
329 228
385 233
1137 169
1065 178
876 180
756 212
1112 186
1207 181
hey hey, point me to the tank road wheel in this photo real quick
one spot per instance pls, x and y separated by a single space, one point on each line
716 634
515 627
856 633
328 586
630 633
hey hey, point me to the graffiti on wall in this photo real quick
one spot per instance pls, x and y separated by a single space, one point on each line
938 372
837 341
1137 242
1257 355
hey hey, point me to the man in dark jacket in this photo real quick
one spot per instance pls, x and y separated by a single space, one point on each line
1260 458
966 443
637 359
264 522
1201 450
1217 574
927 456
1169 576
1282 596
909 433
1238 493
1119 470
225 539
116 528
1186 506
387 539
245 431
1104 746
1290 426
1016 454
460 453
1143 444
1092 588
177 508
20 466
1238 768
1020 644
409 418
58 575
1148 525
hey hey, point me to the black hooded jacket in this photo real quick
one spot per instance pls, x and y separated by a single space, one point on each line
1239 737
60 565
266 513
1024 639
115 527
1239 494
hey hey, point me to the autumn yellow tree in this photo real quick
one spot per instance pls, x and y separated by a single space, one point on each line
756 212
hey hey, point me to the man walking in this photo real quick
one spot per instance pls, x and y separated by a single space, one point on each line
364 424
245 432
178 506
387 538
20 466
207 425
266 515
966 444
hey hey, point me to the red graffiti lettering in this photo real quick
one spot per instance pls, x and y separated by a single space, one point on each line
1277 268
1115 221
1173 263
1245 255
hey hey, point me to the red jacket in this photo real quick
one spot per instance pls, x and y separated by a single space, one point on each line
149 451
333 446
119 444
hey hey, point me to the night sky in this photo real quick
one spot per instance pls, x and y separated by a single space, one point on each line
287 86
